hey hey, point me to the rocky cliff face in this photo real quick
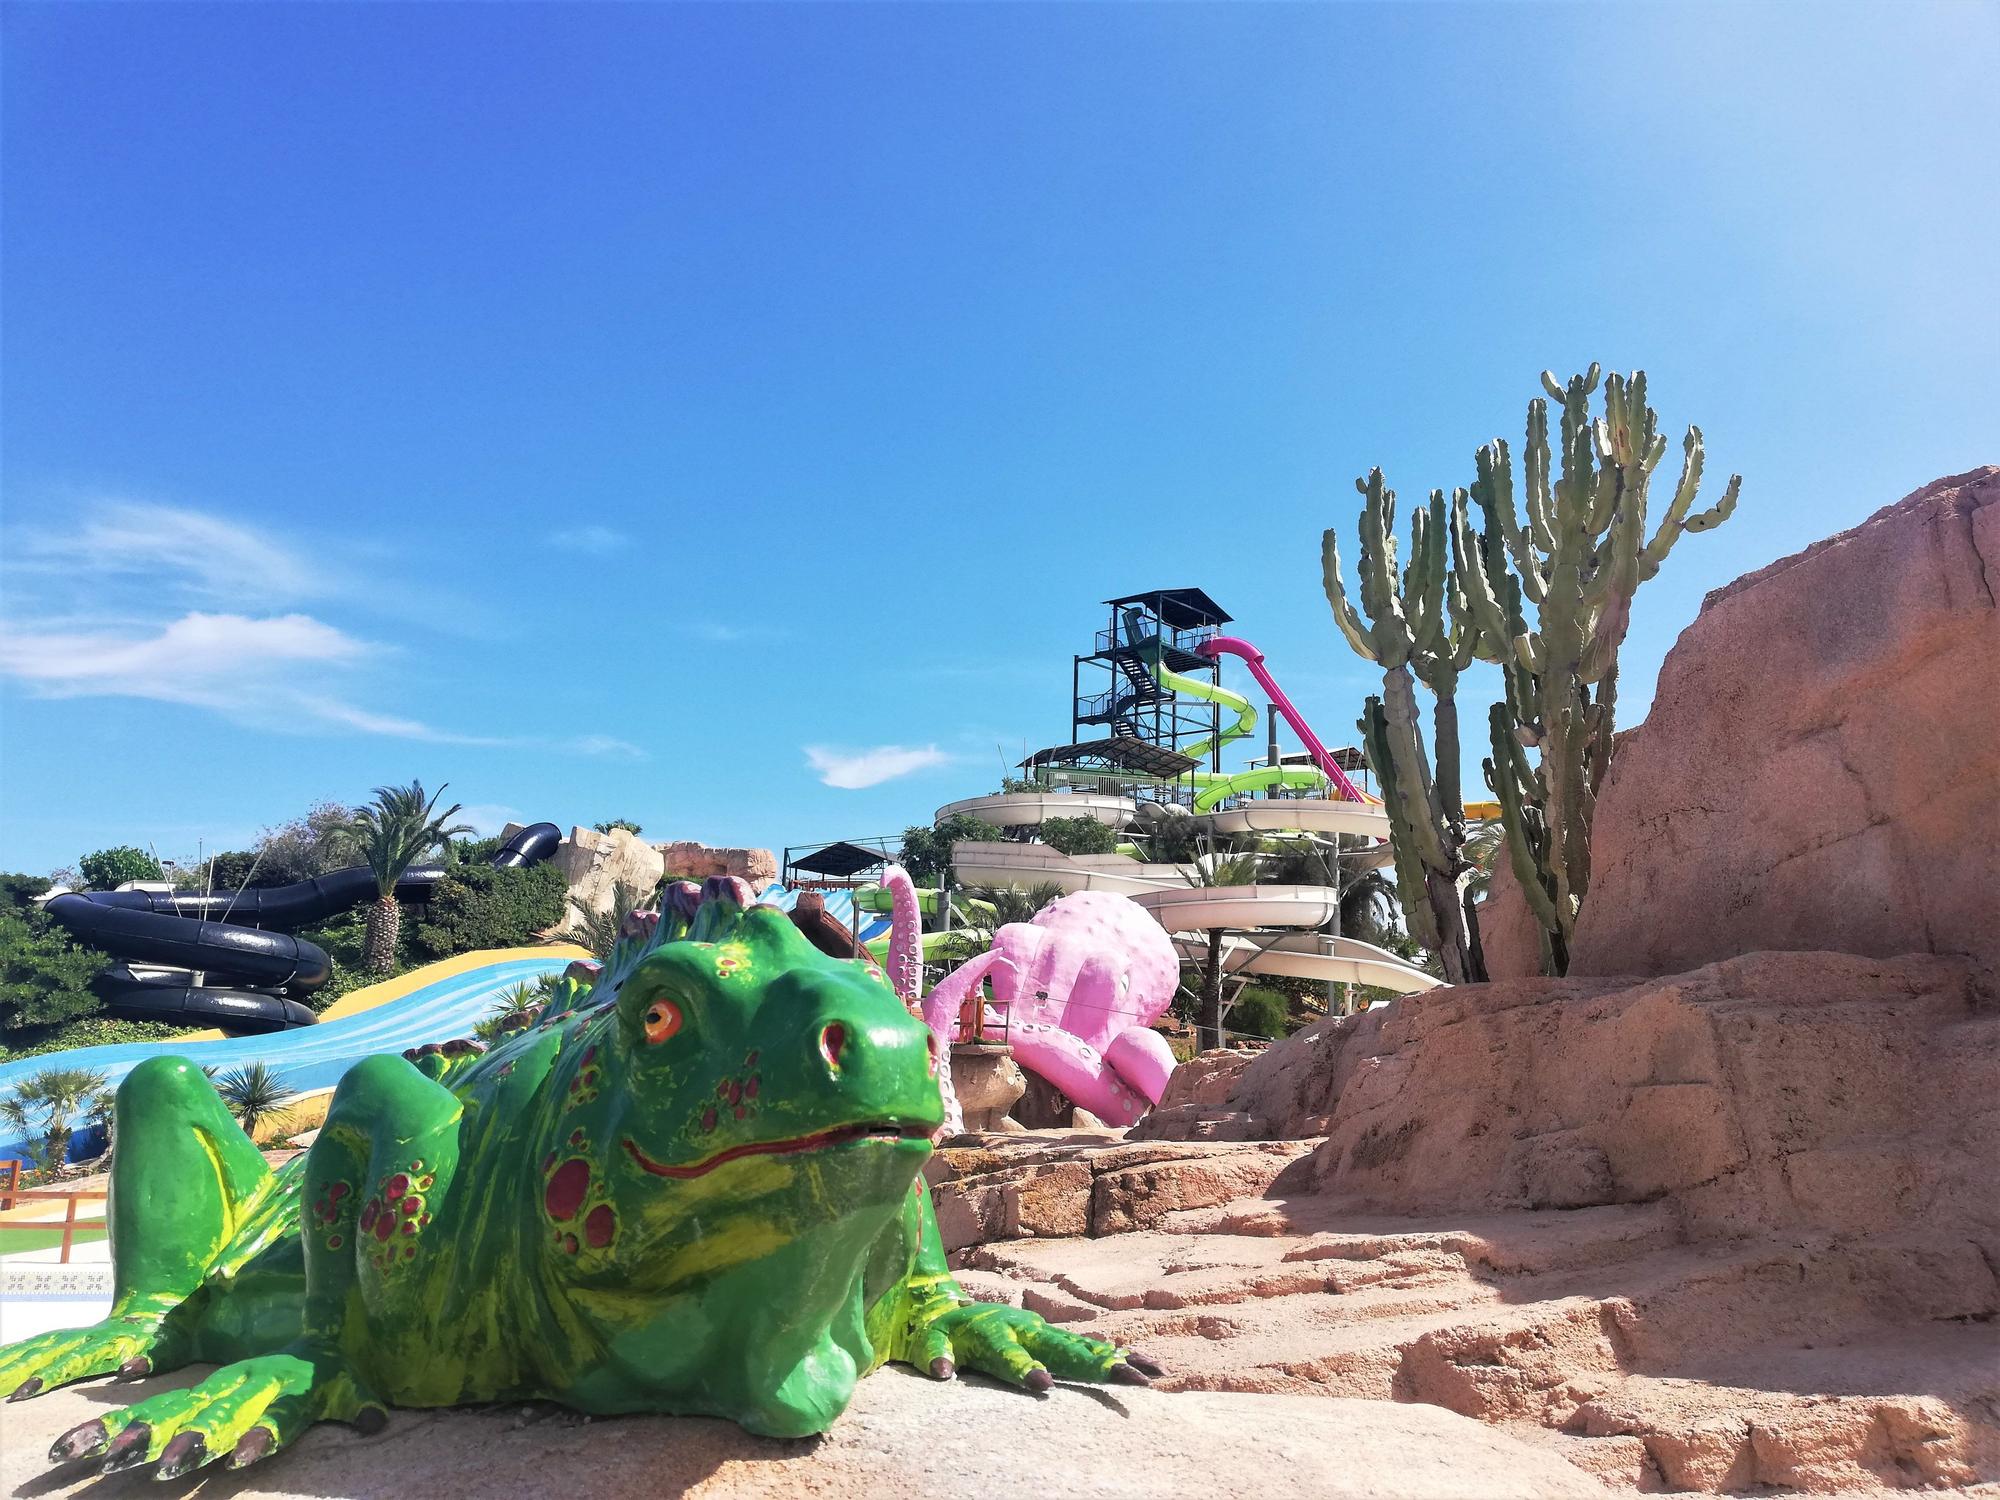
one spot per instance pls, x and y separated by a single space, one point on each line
1821 765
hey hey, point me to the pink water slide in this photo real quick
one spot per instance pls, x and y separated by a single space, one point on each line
1229 645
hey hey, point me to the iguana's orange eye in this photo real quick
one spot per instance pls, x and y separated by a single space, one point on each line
663 1019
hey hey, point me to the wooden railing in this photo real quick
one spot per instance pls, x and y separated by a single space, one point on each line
69 1224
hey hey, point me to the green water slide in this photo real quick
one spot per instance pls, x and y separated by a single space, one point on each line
1215 787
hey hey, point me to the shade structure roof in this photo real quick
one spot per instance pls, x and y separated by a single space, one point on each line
1181 609
840 859
1121 752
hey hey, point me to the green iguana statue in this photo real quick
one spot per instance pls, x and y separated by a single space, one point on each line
691 1187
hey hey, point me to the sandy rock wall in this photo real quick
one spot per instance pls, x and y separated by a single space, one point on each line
686 860
1821 765
1780 1090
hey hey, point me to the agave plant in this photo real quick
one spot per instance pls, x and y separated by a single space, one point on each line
508 1011
399 828
41 1106
254 1093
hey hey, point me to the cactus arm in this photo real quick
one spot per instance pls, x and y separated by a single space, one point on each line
1391 633
1349 623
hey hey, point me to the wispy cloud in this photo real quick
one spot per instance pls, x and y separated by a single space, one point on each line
854 769
608 746
598 540
725 633
112 619
191 660
195 553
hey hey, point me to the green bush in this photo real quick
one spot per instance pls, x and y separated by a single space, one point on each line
1259 1012
44 975
108 869
1078 836
477 906
926 852
19 891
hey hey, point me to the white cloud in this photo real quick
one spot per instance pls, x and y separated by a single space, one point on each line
184 549
602 744
196 659
723 633
855 769
594 539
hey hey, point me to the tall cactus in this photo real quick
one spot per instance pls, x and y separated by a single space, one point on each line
1579 552
1418 626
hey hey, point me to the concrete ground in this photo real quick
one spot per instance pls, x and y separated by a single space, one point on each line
904 1436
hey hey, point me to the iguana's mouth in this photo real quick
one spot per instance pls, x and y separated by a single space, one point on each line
887 1131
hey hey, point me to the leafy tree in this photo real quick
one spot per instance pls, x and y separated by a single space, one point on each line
926 852
1258 1011
44 974
19 891
610 823
254 1093
320 841
477 906
986 909
108 869
42 1105
399 828
1173 837
1078 836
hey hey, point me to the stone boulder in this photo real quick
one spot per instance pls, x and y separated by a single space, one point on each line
1821 765
596 864
686 860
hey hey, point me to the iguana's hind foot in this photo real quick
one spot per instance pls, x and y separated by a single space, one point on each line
185 1182
240 1414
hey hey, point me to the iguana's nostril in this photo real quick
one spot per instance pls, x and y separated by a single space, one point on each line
832 1042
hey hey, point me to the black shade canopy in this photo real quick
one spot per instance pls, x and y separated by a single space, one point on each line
1122 752
841 859
1178 609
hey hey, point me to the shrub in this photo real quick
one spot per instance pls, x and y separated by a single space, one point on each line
44 974
108 869
926 852
477 906
1260 1012
91 1031
1078 836
610 823
19 891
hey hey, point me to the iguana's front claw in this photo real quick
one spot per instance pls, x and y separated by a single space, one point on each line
1021 1348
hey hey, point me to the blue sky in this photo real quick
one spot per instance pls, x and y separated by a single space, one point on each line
659 412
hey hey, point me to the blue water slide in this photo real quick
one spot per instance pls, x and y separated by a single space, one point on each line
315 1057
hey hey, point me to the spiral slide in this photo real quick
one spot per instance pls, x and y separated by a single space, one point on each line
432 1004
181 941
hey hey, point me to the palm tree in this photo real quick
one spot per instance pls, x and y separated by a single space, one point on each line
986 909
400 828
254 1094
1214 870
42 1105
598 930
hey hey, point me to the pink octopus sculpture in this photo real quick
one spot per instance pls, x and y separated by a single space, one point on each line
1076 991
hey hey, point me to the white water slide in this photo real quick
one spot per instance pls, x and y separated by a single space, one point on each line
1030 809
1188 909
1313 955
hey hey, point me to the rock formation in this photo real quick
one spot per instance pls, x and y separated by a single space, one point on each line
1821 765
596 864
686 860
1716 1212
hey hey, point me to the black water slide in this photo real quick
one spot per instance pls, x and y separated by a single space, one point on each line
211 963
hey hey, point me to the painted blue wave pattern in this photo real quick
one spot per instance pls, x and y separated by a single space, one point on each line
315 1057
